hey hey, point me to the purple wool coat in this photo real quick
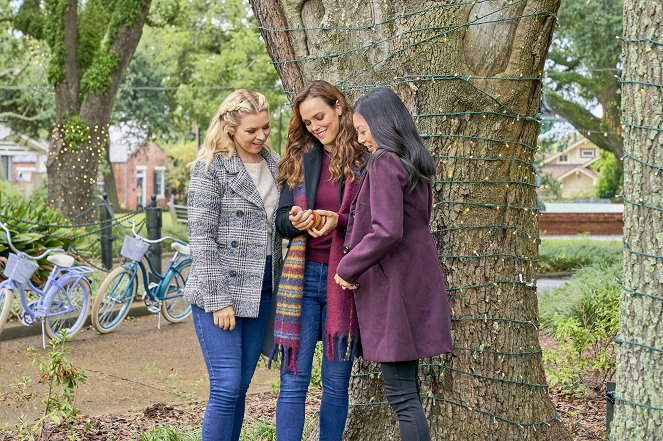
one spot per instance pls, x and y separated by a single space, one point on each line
401 301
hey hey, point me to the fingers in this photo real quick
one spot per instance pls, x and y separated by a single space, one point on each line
331 220
225 318
344 285
302 220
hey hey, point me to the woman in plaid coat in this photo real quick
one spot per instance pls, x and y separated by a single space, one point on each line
236 253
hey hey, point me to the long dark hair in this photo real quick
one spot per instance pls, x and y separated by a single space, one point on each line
394 131
347 154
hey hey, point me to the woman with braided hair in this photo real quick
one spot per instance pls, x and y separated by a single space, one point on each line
236 253
318 177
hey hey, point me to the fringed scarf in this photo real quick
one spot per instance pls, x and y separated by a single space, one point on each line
341 326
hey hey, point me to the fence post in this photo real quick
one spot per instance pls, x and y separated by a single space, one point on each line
154 222
610 404
106 218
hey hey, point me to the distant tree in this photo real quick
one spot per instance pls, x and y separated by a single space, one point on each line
25 103
582 64
91 43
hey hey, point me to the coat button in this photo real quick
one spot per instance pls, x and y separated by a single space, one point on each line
233 273
346 250
239 213
234 244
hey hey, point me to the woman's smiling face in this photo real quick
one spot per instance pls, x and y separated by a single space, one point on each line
364 135
321 119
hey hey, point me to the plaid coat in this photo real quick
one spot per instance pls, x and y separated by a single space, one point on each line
228 231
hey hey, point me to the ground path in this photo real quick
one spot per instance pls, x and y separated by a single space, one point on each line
130 369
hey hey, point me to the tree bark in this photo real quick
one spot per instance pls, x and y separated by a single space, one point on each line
470 73
76 149
639 395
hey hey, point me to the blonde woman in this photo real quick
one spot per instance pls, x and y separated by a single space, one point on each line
236 253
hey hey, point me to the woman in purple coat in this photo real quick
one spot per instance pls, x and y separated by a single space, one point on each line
391 261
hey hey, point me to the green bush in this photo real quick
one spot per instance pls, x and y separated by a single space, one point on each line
35 239
610 175
569 255
583 316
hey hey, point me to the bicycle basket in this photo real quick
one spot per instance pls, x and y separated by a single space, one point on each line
134 249
20 269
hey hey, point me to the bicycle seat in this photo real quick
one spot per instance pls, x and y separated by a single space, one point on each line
61 260
180 248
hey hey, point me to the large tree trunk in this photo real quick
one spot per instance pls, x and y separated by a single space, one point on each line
80 139
470 72
639 397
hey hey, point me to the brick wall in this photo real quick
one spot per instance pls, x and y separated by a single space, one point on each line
574 223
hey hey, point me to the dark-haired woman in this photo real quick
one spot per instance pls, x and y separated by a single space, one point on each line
391 261
318 174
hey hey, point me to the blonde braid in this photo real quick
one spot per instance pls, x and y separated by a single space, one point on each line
218 139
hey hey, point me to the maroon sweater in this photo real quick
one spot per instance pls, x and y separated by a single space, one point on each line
326 198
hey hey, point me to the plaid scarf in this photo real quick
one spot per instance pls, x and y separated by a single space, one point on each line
341 326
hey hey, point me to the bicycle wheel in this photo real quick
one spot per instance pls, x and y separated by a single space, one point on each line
68 307
6 297
174 306
113 299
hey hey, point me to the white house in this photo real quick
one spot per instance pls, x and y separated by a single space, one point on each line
22 160
571 168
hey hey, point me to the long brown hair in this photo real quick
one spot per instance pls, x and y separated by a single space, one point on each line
348 153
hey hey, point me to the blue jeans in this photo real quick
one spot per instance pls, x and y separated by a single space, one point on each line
231 358
335 374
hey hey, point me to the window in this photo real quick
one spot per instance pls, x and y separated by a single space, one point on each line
160 182
563 158
587 152
5 167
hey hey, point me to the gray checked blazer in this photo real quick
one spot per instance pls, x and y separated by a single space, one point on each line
228 231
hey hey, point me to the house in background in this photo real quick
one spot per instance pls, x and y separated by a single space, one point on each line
22 160
571 168
139 173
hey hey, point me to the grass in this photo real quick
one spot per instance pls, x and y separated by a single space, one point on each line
570 300
558 255
170 433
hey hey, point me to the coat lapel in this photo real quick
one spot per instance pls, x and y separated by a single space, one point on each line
241 182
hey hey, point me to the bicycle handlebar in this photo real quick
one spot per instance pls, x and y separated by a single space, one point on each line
139 237
21 253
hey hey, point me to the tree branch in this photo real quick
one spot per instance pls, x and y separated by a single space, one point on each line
584 121
12 71
5 115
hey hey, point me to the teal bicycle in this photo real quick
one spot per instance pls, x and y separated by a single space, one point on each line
120 287
63 300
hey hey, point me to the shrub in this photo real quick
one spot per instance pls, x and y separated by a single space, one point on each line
570 255
583 315
34 239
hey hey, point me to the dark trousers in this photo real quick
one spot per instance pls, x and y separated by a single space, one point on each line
400 388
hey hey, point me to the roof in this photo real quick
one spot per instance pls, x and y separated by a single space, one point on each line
560 171
9 137
573 146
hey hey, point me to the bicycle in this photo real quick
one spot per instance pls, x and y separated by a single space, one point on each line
63 300
119 288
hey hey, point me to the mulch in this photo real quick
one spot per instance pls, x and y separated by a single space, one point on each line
585 418
127 426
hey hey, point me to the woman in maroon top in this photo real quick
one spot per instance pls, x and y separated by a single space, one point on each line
391 261
318 175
